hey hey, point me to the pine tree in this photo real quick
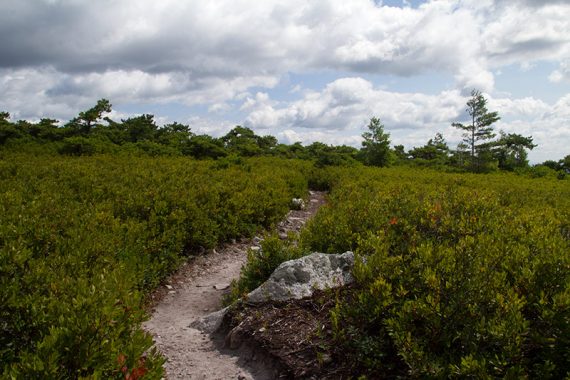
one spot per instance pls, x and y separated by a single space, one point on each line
376 145
480 129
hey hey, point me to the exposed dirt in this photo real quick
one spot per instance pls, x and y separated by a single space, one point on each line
196 290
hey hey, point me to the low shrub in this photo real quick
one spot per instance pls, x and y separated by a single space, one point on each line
456 276
84 239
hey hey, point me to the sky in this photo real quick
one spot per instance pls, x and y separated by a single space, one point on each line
299 70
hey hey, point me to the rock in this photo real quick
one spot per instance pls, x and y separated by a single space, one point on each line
254 248
297 204
294 279
210 322
297 279
221 286
169 287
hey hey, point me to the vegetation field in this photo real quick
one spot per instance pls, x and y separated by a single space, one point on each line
82 240
457 275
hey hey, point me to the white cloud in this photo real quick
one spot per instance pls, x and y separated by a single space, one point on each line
307 137
204 41
60 56
347 103
562 74
339 114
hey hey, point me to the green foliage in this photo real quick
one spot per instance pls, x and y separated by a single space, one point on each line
261 263
478 131
456 275
82 240
204 146
79 146
82 124
242 141
376 145
510 151
435 152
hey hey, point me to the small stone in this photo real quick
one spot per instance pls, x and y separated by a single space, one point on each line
169 287
209 323
221 286
172 292
254 248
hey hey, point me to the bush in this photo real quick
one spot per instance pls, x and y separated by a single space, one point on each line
83 240
261 264
457 276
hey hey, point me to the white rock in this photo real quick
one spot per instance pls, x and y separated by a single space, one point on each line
297 204
299 278
294 279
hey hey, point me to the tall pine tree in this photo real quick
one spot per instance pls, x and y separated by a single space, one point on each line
479 130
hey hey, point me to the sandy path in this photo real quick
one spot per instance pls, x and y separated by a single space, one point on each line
196 290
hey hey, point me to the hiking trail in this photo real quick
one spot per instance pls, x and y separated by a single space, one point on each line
196 290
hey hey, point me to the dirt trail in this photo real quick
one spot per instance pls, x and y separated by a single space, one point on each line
197 290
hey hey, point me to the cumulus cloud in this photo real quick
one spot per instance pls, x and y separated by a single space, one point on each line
340 112
347 103
226 39
60 56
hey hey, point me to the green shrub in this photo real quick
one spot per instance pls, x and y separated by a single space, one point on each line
83 240
457 276
78 146
261 263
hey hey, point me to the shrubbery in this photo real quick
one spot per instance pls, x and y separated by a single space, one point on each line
83 240
457 276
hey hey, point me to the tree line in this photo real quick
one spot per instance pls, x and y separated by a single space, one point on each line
92 131
478 151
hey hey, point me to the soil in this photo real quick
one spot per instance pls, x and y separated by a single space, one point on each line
196 290
296 335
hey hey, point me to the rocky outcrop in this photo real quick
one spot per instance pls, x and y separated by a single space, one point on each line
296 279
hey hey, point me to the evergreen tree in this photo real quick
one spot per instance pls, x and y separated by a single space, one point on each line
479 130
435 151
86 120
510 150
376 145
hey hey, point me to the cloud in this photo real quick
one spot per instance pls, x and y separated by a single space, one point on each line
34 93
340 112
60 56
204 41
290 136
348 103
562 74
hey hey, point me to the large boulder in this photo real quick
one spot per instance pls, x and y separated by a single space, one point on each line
296 279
